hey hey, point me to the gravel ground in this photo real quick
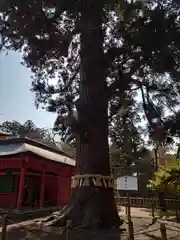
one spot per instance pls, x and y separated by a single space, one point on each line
26 214
143 230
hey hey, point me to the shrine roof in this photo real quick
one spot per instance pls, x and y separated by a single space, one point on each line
22 145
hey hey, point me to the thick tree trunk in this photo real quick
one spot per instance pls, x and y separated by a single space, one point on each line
99 208
92 206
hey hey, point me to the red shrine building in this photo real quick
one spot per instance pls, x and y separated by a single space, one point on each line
33 173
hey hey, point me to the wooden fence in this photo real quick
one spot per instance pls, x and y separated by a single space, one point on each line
147 202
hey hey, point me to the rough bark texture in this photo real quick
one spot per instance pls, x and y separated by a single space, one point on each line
92 207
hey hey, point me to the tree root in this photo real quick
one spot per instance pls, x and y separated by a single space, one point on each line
60 218
94 211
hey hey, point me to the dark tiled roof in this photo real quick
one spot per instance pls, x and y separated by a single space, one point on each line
36 142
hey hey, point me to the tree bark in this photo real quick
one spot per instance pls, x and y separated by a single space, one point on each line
92 206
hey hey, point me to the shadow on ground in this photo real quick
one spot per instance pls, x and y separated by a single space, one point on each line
56 234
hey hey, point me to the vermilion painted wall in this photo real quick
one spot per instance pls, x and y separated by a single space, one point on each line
9 199
11 162
61 183
63 172
51 186
65 190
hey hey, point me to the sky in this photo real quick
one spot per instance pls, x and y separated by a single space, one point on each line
16 99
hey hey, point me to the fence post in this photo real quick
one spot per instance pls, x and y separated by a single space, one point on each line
4 228
68 225
128 209
153 212
130 230
163 231
177 212
177 215
130 223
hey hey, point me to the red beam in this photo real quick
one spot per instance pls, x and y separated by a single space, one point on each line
11 162
42 186
21 188
59 190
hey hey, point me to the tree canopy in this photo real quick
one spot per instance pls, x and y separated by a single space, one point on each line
141 53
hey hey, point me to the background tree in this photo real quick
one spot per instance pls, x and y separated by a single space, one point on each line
97 51
125 135
28 129
12 127
128 154
167 178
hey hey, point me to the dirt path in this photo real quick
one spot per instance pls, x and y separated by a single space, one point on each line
28 214
145 231
136 212
142 228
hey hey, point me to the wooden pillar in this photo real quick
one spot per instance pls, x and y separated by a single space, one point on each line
21 188
41 199
58 196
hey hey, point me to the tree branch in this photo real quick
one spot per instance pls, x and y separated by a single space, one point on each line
71 79
115 52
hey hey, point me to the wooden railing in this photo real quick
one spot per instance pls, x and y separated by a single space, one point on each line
147 202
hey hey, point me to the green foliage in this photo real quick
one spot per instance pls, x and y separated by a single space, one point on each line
28 129
141 44
167 178
125 140
141 163
127 152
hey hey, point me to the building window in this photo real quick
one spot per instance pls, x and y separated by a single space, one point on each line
7 184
